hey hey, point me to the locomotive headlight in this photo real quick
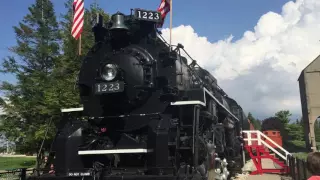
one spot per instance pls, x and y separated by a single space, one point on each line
109 72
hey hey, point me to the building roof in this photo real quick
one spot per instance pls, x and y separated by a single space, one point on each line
317 58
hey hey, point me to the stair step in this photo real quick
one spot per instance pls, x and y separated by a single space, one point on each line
279 162
264 153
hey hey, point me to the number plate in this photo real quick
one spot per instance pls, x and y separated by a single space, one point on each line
142 14
79 174
111 87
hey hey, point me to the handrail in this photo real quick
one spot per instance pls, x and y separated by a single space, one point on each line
278 146
277 152
261 141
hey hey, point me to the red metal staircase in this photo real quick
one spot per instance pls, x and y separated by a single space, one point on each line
258 146
257 153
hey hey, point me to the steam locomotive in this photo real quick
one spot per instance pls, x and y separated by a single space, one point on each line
146 112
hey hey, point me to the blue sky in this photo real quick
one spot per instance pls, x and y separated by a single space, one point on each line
210 18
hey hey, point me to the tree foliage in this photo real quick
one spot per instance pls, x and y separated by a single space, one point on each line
295 131
292 131
45 64
317 130
36 53
284 116
272 123
69 64
255 122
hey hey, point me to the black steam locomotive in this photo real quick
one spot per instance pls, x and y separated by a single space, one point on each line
146 112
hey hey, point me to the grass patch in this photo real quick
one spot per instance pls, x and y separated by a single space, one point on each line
16 162
301 155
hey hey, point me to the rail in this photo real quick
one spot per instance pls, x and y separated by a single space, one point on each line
257 137
298 168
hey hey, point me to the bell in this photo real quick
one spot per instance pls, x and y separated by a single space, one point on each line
118 22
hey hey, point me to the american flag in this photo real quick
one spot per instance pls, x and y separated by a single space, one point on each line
163 8
78 13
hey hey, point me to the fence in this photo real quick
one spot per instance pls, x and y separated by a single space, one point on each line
16 167
298 168
14 174
22 173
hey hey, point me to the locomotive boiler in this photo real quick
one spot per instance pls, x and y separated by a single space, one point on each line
147 112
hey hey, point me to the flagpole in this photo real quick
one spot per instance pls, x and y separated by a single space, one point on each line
75 23
170 22
80 45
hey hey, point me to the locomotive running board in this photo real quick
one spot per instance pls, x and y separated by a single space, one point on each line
72 109
114 151
197 102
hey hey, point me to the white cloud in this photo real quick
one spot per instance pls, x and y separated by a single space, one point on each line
260 70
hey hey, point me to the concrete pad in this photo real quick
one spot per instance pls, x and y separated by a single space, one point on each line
258 177
249 167
266 164
264 177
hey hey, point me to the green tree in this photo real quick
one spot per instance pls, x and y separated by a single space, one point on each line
317 130
46 66
65 93
284 116
36 54
301 121
255 122
258 124
295 131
